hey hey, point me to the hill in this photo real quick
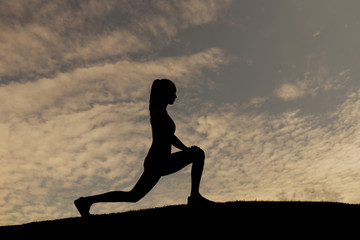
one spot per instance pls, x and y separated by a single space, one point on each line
255 218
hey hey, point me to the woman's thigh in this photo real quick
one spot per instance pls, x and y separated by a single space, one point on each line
176 162
145 183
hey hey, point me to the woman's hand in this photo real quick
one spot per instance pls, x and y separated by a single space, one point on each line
194 147
178 144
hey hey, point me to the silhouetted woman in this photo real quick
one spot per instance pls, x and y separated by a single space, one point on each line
159 160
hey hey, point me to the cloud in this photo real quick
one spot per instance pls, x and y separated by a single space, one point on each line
75 80
113 43
315 194
288 91
253 155
316 34
249 61
82 132
39 38
255 102
314 81
250 154
109 83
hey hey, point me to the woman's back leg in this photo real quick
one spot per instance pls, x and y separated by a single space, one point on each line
146 182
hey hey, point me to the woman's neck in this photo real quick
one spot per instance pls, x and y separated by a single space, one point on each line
162 106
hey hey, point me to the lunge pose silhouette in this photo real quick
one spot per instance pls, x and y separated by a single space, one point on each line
159 160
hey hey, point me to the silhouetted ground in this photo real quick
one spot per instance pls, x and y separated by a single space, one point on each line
230 219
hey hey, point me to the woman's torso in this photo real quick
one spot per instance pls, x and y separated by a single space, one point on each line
163 129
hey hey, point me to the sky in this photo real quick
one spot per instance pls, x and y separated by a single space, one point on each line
269 89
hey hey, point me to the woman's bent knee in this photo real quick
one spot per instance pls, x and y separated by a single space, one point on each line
198 153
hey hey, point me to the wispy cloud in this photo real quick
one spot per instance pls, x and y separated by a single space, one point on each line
58 132
75 81
316 34
263 156
41 37
316 79
289 91
109 83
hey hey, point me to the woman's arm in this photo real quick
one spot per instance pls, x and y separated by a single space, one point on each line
178 144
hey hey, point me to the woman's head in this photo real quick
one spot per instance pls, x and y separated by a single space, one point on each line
163 92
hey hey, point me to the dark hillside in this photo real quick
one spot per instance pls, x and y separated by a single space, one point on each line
254 218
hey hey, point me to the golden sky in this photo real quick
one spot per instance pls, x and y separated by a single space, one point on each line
269 89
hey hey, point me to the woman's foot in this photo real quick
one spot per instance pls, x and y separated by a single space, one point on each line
82 206
200 201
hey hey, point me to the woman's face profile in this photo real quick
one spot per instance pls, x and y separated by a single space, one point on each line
172 96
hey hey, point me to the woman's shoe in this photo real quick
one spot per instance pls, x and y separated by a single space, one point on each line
199 201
